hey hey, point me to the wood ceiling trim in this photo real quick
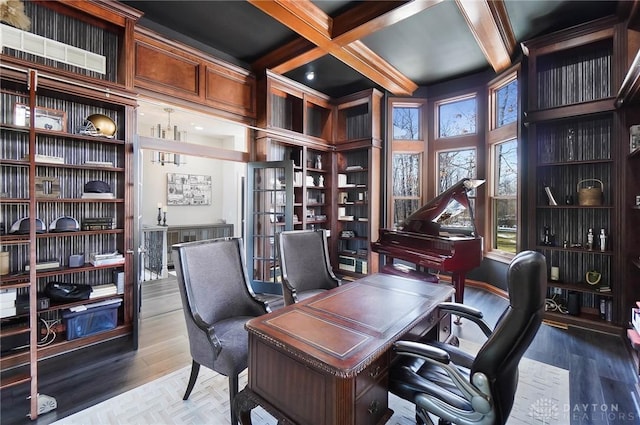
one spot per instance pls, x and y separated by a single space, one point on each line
489 30
369 17
374 66
311 23
289 56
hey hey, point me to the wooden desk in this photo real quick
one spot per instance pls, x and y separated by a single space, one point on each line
324 361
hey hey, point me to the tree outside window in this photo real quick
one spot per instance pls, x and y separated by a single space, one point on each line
454 166
406 123
457 118
406 186
506 104
505 196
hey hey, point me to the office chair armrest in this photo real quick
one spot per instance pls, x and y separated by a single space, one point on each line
416 349
475 393
467 312
210 331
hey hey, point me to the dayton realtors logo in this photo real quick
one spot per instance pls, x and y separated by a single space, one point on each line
546 411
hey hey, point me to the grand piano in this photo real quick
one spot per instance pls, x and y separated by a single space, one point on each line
441 235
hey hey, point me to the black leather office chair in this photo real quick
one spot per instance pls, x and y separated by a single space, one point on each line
461 389
217 301
304 264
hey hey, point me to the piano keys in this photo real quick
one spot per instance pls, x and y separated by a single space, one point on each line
441 235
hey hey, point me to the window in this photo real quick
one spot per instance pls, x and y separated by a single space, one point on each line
504 196
406 186
457 117
502 233
406 123
406 158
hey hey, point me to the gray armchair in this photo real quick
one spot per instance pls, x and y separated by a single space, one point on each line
304 264
217 302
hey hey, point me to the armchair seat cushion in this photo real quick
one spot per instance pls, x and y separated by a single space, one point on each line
413 376
235 345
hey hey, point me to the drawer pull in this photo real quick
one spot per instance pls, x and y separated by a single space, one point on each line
375 372
374 406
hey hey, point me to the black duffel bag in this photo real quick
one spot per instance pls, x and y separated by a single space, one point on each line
59 291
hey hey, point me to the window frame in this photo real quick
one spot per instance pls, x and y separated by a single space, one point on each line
495 136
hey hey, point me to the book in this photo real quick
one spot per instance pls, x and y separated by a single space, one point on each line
87 195
99 163
552 200
105 290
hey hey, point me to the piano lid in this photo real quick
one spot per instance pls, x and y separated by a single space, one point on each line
450 214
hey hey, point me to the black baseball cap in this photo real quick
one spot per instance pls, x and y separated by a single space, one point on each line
97 186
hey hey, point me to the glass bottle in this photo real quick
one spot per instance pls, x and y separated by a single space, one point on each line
590 240
603 240
571 145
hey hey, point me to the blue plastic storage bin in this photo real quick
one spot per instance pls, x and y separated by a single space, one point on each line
91 321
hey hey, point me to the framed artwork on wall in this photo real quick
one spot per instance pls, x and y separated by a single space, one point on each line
188 189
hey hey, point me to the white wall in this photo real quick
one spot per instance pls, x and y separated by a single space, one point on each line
195 128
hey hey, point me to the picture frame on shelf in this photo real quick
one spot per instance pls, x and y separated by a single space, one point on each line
47 187
45 118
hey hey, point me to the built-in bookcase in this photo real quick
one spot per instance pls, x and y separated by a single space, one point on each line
574 135
46 159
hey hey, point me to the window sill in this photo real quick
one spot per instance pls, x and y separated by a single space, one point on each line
500 256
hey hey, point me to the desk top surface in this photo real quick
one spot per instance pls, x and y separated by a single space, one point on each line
345 328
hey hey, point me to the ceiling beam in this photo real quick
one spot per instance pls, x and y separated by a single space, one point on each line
369 17
311 23
489 23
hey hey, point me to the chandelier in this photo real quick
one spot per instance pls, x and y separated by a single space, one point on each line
169 133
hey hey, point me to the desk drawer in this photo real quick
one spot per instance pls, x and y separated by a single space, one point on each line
372 406
372 374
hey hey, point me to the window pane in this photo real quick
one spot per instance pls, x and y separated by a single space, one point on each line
403 208
406 175
454 166
505 225
507 104
507 168
406 123
457 118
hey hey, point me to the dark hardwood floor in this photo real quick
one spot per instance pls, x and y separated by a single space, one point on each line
603 381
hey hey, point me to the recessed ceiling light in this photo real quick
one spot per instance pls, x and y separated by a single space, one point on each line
310 75
197 127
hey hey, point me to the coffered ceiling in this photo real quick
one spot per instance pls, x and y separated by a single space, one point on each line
352 45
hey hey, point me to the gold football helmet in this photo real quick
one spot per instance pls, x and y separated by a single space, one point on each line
99 125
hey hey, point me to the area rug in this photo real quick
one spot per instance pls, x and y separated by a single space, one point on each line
543 391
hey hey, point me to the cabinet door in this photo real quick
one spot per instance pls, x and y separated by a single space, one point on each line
270 206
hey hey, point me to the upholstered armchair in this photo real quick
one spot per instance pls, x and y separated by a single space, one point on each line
463 389
217 302
304 264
